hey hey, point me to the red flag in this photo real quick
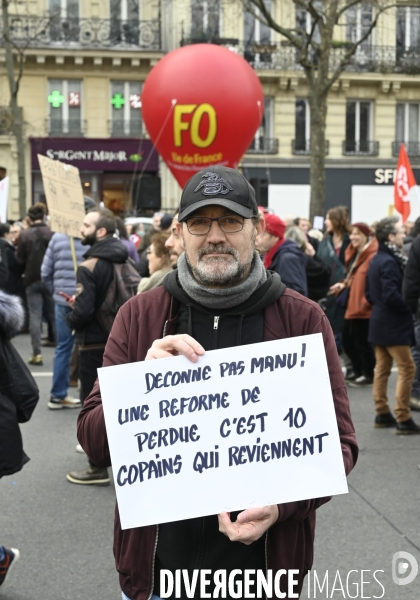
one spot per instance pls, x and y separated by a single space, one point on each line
404 181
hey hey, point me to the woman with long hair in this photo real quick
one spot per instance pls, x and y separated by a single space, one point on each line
332 250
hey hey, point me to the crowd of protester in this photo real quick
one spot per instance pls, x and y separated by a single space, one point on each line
366 277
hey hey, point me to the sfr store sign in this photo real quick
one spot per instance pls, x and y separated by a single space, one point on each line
385 175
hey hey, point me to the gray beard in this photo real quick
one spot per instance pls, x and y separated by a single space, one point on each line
221 270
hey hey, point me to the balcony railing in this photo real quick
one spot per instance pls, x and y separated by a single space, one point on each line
362 148
123 128
263 145
412 148
63 127
303 147
116 34
284 57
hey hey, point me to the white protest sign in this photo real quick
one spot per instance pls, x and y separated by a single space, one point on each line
244 427
64 194
319 223
4 198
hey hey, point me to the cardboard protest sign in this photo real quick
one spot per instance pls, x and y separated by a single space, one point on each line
64 194
244 427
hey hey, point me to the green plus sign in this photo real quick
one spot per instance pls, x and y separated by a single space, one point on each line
56 99
118 101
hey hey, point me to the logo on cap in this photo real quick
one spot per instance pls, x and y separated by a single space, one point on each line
213 184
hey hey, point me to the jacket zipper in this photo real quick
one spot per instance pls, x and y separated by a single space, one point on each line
215 331
153 563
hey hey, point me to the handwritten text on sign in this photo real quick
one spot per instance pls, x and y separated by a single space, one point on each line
247 426
64 194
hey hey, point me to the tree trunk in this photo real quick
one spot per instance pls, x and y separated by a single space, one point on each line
318 109
17 122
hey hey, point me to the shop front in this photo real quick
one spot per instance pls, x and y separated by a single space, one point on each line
367 191
110 169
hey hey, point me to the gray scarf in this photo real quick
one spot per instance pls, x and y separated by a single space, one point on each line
214 298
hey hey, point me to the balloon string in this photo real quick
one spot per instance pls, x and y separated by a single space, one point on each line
173 102
265 153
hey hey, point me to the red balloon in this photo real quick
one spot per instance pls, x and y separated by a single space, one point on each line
202 105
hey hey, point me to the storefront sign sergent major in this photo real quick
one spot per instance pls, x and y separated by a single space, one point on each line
95 155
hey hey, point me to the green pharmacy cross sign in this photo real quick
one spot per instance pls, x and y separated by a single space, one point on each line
56 99
117 101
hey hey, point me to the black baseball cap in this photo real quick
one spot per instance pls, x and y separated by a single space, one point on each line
220 186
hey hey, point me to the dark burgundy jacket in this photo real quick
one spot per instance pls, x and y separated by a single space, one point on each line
142 320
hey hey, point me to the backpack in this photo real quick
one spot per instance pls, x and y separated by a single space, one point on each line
124 284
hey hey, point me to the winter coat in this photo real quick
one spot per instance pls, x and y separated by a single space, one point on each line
32 246
142 320
11 271
327 253
290 263
391 322
57 269
94 276
318 276
357 306
12 456
411 283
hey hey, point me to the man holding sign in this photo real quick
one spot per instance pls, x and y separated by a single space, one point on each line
219 297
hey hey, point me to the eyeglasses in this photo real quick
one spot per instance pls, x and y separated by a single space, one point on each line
202 225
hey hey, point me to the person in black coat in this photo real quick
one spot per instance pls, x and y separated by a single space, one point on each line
411 292
317 272
12 456
391 327
11 278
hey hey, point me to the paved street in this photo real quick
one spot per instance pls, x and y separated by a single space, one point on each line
64 531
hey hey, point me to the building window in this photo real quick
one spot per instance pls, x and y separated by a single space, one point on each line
64 23
126 118
302 142
65 9
124 21
65 107
205 19
407 128
358 21
408 28
264 142
254 30
359 128
304 22
257 39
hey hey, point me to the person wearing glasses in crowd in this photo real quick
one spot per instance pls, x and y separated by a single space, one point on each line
220 296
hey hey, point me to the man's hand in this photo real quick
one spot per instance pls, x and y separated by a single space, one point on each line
250 525
174 345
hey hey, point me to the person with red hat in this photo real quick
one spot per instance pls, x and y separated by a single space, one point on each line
284 256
